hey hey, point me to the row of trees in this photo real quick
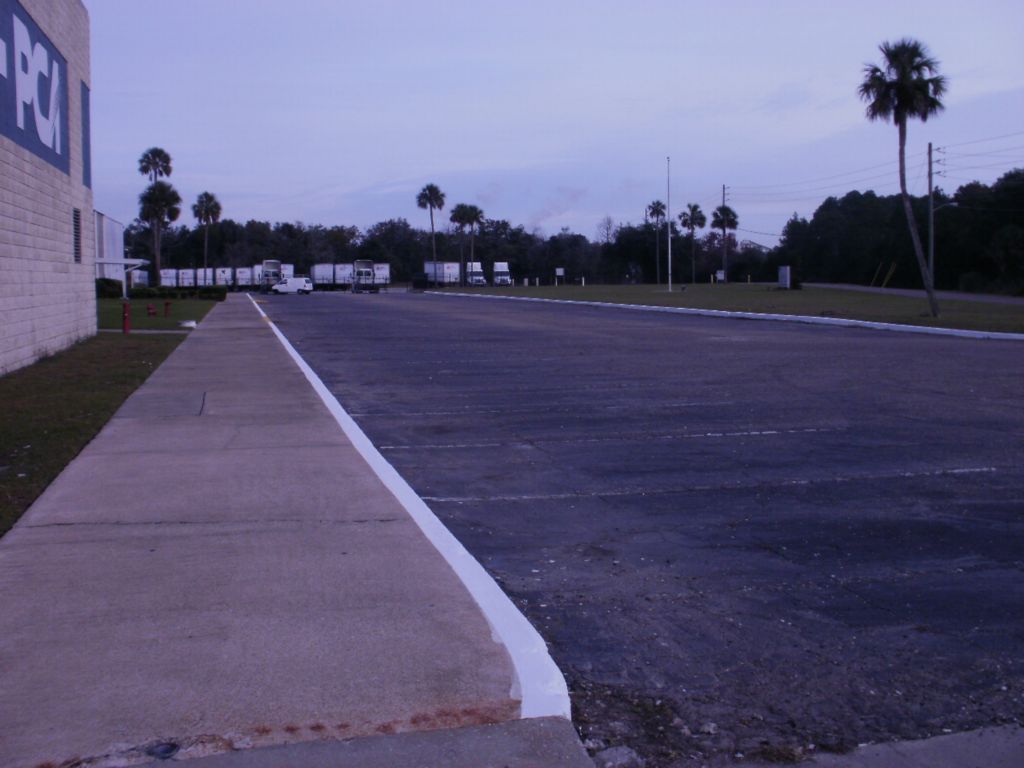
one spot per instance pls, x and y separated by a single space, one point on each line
625 253
862 238
858 238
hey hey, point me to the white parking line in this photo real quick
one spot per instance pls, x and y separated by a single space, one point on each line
542 688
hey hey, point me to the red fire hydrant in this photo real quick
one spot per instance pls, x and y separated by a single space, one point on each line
126 317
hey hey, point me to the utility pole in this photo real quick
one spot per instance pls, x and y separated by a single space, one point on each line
668 216
931 223
725 250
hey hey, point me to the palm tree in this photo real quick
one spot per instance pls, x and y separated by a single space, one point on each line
462 216
907 85
160 204
693 218
155 162
724 218
431 197
656 211
207 211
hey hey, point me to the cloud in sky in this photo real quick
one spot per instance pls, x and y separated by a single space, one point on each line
546 114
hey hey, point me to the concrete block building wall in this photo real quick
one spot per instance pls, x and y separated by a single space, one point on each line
47 297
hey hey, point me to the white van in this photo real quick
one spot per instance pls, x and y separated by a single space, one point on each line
293 285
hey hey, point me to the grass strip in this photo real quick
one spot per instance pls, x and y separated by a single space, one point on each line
108 313
53 408
813 302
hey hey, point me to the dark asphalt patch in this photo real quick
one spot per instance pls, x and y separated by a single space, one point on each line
736 537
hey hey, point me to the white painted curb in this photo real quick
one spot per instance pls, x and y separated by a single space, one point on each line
806 319
542 688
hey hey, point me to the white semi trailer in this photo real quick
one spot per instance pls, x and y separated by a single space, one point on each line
223 276
501 274
168 278
381 275
343 274
204 276
243 277
442 272
322 275
186 278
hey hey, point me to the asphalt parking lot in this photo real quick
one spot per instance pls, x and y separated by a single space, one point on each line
739 538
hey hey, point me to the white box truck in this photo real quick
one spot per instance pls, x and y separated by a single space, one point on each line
475 274
243 277
322 275
223 276
442 272
204 277
270 273
257 275
137 278
362 277
287 270
501 274
168 278
343 274
186 278
382 275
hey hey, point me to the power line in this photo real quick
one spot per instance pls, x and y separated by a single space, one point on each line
844 184
983 141
979 167
887 164
755 232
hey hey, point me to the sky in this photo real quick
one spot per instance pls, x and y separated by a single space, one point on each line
547 114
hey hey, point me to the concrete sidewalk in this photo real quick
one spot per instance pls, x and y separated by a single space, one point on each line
221 570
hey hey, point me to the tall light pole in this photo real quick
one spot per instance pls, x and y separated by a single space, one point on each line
668 216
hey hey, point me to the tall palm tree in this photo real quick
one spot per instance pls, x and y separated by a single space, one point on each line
656 211
431 197
155 162
159 204
207 211
724 218
693 218
464 215
907 85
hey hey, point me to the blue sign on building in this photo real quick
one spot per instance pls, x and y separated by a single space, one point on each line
33 87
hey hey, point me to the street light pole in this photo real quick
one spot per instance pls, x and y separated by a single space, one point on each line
668 216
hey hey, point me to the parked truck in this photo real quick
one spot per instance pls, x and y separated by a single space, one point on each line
381 275
243 277
186 278
442 272
223 276
322 275
343 275
287 270
362 280
501 274
168 278
475 274
270 273
204 276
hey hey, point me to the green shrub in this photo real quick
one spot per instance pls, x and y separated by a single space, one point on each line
107 288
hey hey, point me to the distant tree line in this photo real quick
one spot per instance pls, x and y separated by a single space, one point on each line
858 238
862 238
